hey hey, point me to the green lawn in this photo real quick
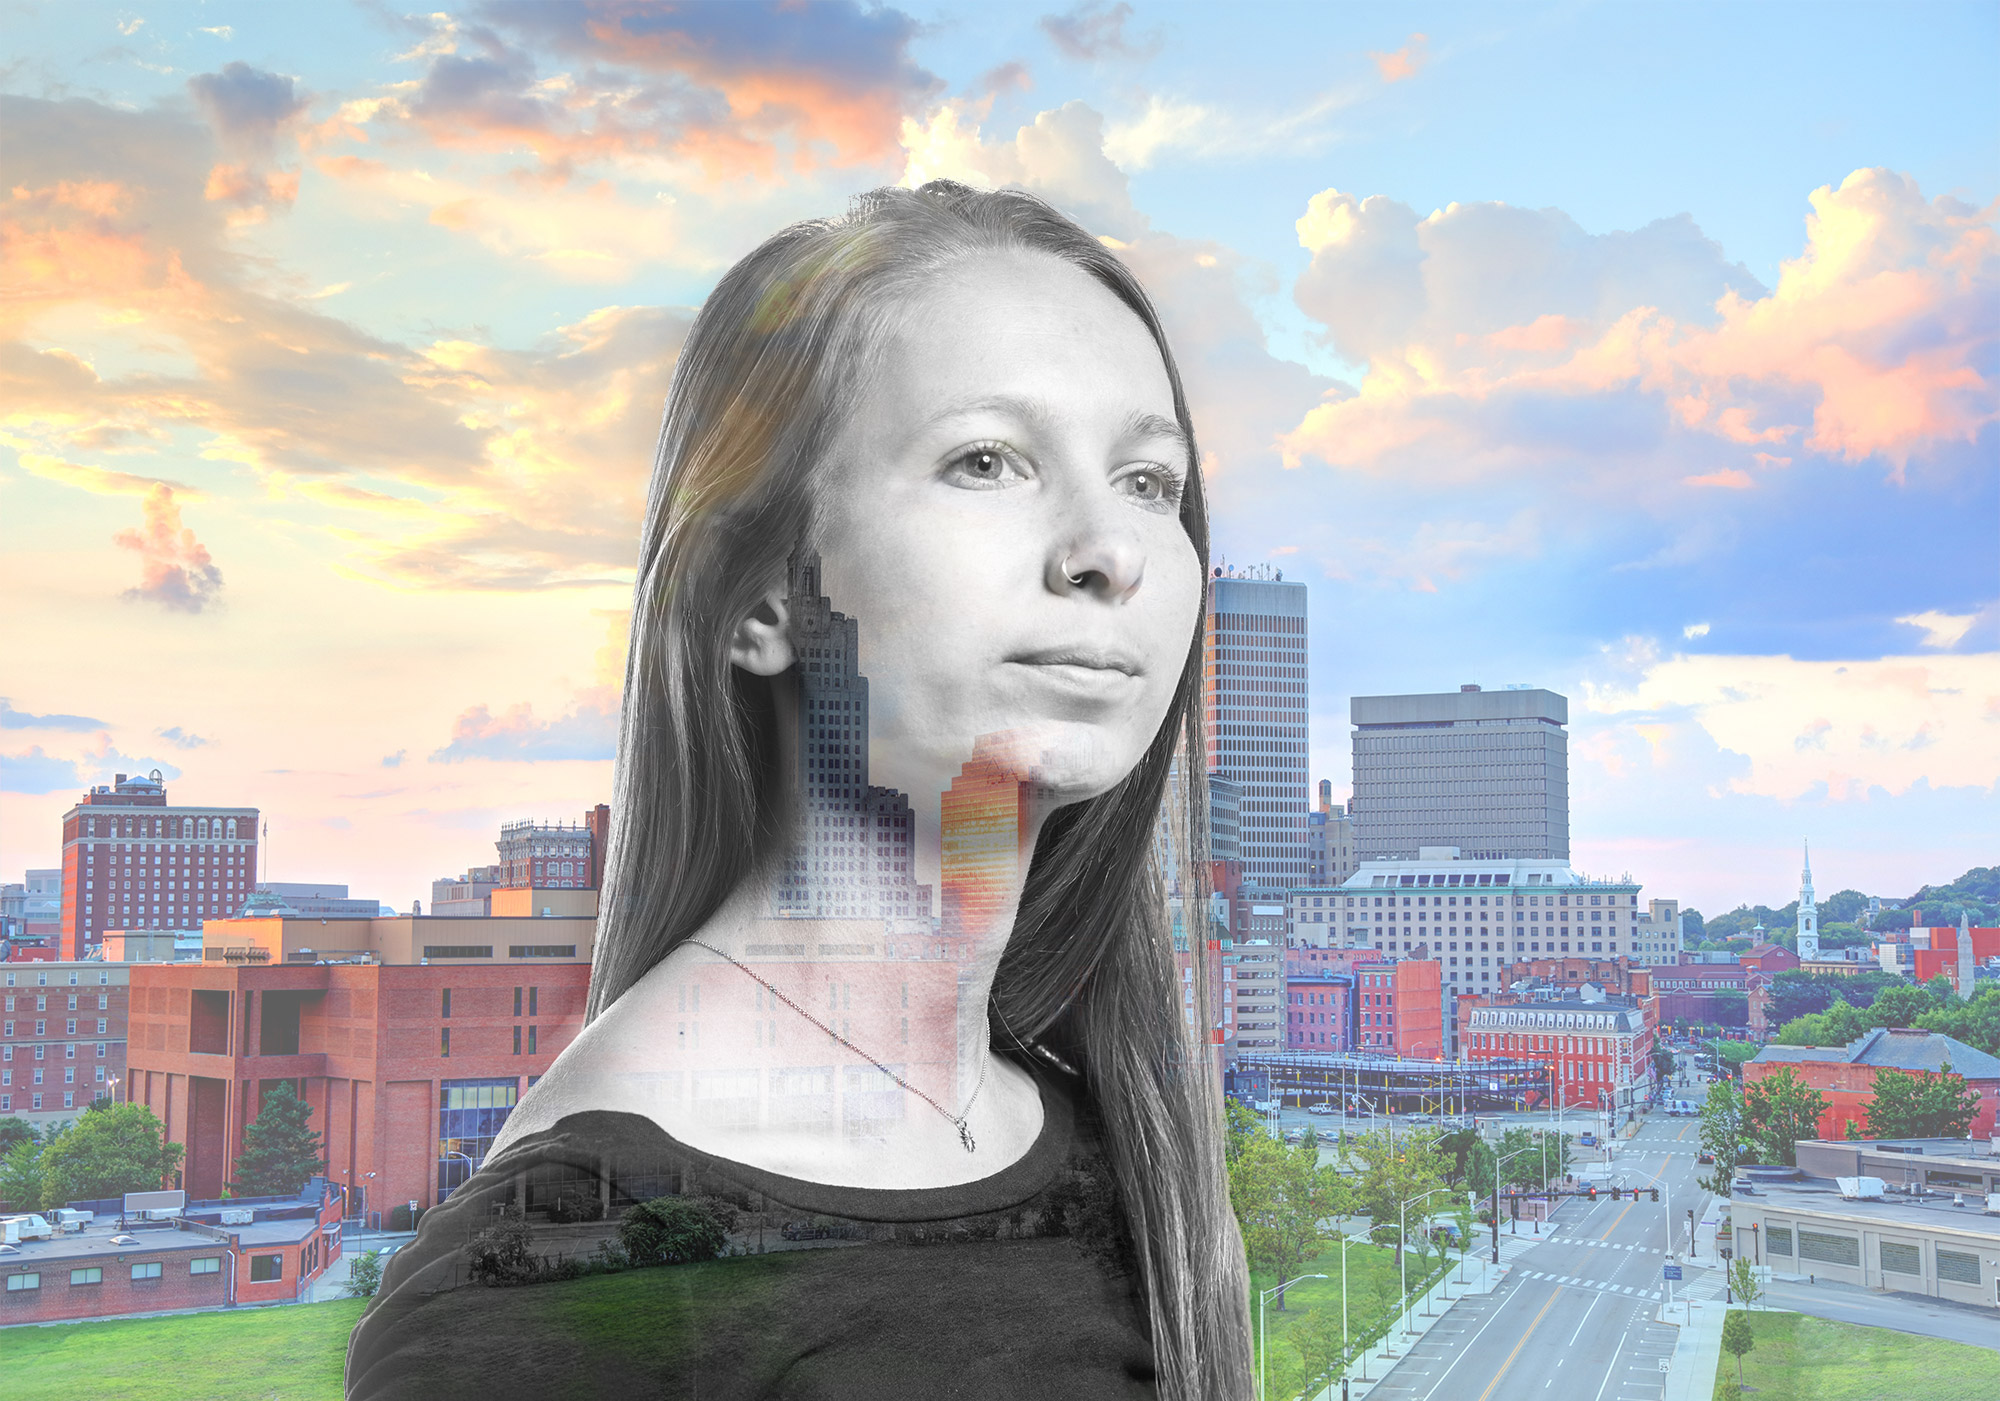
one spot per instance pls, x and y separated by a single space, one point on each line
1799 1358
293 1352
1373 1288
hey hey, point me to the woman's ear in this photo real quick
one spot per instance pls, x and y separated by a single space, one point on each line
762 642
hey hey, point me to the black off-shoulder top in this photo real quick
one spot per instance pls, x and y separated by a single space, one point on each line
1019 1285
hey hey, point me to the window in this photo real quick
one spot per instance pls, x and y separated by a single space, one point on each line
531 1041
150 1270
27 1279
517 1002
540 951
444 1041
266 1267
532 995
1958 1267
458 950
517 1041
205 1265
1902 1258
1829 1249
447 1001
89 1274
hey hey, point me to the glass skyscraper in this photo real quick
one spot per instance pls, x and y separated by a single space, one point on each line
1254 690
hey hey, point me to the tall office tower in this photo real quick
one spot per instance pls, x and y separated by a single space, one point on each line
1808 912
1255 695
854 858
132 862
1484 771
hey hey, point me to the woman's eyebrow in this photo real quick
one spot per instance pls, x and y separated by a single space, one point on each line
1041 418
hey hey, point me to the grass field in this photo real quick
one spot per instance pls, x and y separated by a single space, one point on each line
1373 1288
293 1352
1799 1358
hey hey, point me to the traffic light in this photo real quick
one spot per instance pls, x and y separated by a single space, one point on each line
1656 1193
1593 1191
1614 1194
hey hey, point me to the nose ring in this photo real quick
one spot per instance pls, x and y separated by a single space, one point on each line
1073 578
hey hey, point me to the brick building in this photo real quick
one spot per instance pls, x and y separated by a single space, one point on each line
1319 1009
554 855
62 1037
215 1254
1400 1008
1846 1074
1599 1051
131 861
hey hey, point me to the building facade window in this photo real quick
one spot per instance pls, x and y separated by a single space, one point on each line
266 1267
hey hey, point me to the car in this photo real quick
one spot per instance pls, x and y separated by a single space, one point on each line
1587 1139
1319 1109
1704 1156
1295 1135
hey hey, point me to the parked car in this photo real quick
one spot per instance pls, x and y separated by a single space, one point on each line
1295 1135
1319 1109
1587 1139
1704 1156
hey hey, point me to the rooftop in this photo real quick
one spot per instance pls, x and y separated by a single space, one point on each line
1897 1048
1443 867
1931 1211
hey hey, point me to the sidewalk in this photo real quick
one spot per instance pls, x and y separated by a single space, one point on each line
332 1281
1698 1312
1482 1276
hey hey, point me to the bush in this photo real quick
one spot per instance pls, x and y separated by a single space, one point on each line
403 1219
503 1253
670 1231
365 1275
567 1208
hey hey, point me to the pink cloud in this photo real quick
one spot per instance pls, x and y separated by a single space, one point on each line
1734 478
175 568
1404 62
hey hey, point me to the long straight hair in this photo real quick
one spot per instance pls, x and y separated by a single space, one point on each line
784 341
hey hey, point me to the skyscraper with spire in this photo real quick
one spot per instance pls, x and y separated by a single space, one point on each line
1808 913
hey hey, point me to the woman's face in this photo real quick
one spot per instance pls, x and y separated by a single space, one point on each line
1002 518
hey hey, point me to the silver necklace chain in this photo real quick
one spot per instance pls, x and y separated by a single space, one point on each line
958 1121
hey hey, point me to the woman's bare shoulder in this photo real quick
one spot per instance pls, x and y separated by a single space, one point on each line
595 1071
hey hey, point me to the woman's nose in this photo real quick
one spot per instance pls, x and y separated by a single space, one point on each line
1103 561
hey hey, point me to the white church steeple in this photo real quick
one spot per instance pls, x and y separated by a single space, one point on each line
1808 914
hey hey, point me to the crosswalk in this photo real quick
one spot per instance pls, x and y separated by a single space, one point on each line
1597 1244
1600 1287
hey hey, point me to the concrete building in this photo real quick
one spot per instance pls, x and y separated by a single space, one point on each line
320 900
1826 1220
1846 1074
62 1037
1330 851
469 894
1486 772
212 1254
31 910
1598 1050
1255 694
131 861
1656 933
1253 972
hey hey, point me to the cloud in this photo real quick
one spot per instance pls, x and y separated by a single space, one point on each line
588 730
181 739
1093 32
1404 62
1208 132
100 481
1059 156
36 772
12 719
1836 729
176 571
1941 630
1694 630
246 106
745 91
1479 321
395 761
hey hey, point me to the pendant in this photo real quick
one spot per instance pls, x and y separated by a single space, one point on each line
965 1135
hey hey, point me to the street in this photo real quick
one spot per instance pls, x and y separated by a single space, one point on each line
1581 1301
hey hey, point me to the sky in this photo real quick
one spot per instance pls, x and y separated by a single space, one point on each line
1643 352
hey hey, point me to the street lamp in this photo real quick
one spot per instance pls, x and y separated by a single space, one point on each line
1403 1247
1263 1340
470 1166
1498 1163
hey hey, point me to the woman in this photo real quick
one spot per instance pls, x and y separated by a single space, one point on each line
920 595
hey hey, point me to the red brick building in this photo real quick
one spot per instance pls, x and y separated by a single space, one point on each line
1319 1009
62 1037
214 1255
1399 1008
1768 958
132 862
404 1066
1846 1074
1599 1053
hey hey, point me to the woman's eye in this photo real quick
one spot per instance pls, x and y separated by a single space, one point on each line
983 465
1153 486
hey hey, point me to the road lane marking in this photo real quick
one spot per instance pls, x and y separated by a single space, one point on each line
1523 1343
1614 1354
1581 1321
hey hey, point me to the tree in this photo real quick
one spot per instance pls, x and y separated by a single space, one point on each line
1731 1008
1976 1023
13 1130
1721 1133
1394 1168
1900 1006
1663 1065
21 1176
107 1153
365 1275
1743 1279
1242 1128
280 1150
1920 1104
1737 1339
1778 1111
1283 1198
1316 1338
670 1231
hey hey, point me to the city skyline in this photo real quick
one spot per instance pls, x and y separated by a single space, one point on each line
334 385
